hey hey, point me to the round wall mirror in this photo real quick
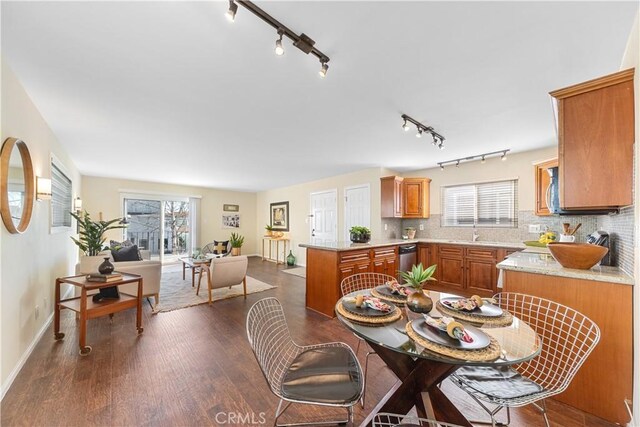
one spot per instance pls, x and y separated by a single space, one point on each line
17 185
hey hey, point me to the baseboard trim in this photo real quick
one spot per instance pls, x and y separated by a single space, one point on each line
25 356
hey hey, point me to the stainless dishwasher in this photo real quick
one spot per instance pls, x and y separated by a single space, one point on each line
407 254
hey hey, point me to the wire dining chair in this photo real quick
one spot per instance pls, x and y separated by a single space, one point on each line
324 374
360 282
567 338
384 419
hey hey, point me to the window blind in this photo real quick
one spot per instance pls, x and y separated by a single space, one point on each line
61 198
490 204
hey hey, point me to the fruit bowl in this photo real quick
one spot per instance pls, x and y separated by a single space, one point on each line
582 256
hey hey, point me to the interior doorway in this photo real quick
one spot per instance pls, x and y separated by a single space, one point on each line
323 226
357 207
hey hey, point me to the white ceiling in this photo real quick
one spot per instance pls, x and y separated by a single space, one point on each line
172 92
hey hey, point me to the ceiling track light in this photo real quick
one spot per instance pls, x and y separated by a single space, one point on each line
279 49
438 140
302 41
482 158
231 13
324 68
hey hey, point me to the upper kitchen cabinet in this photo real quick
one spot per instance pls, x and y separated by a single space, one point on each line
543 180
404 197
595 142
391 197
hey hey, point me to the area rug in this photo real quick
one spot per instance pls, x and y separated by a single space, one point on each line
297 271
176 293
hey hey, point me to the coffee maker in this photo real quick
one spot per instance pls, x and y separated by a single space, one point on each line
601 238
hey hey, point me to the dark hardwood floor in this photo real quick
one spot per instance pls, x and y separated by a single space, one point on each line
193 367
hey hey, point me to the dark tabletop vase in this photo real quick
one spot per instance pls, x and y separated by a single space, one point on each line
419 302
360 238
106 267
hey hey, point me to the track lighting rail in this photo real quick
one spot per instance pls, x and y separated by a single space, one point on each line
482 156
302 41
438 139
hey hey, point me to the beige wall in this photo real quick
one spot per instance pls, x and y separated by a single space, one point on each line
299 205
30 262
518 165
103 195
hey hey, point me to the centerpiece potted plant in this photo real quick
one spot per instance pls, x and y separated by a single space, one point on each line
418 301
359 234
236 242
91 239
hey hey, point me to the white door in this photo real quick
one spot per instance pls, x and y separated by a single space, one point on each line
324 216
357 208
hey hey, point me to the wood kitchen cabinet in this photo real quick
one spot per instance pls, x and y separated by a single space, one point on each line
391 197
464 269
404 197
385 261
595 142
415 197
542 181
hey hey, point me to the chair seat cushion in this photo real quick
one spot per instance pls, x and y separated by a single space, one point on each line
329 375
499 382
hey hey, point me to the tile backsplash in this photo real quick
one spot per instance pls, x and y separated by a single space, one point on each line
433 228
620 228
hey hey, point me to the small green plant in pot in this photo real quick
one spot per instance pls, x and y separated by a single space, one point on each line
269 230
359 234
91 233
418 301
236 242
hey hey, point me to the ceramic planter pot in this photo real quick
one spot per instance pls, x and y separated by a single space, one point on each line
360 238
419 302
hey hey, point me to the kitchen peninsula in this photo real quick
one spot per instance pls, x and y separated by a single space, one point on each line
464 267
604 294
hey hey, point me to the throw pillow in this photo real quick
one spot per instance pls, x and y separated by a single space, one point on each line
117 245
126 253
220 247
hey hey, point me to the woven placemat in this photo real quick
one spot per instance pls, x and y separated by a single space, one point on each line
391 317
395 300
505 320
488 354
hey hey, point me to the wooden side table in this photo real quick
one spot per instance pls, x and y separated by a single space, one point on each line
196 266
87 309
270 240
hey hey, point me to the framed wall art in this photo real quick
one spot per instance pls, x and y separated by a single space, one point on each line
231 221
280 216
231 208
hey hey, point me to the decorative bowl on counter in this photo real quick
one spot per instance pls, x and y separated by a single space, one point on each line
582 256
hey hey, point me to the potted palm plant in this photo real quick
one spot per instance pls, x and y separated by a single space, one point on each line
418 301
91 238
268 230
236 242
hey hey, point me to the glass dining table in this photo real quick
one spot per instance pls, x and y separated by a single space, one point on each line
420 370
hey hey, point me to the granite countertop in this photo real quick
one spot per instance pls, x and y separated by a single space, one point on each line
542 263
348 246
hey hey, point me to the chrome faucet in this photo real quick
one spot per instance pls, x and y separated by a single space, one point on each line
475 235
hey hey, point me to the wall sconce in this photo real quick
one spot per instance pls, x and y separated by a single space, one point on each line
43 188
77 204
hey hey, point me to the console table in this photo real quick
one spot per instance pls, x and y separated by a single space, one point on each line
270 240
87 309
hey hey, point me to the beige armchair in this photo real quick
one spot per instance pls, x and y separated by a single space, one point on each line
226 272
151 272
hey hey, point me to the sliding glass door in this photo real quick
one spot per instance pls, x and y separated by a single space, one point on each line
159 225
